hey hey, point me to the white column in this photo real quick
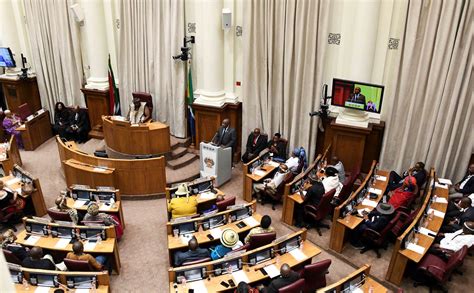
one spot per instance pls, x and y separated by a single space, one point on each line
111 28
9 33
96 44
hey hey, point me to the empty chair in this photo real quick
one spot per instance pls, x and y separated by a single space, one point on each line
314 275
403 222
295 287
434 268
59 215
316 214
24 111
261 239
375 240
10 257
78 265
223 204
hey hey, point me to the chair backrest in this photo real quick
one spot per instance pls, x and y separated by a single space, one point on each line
281 188
144 97
198 261
295 287
58 215
315 275
78 265
324 206
346 188
261 239
403 222
223 204
11 257
454 261
24 111
386 229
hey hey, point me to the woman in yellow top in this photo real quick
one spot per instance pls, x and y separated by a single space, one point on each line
183 204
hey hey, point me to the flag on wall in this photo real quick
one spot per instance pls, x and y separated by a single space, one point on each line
190 101
114 95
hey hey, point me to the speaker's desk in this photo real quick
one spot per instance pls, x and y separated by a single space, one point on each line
134 178
105 247
151 138
36 131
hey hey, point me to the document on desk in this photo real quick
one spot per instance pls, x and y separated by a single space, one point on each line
62 243
216 233
40 289
79 203
197 286
105 207
272 271
250 221
436 213
273 164
380 178
416 248
207 195
298 254
89 246
32 240
240 276
375 190
259 173
441 200
97 169
12 181
445 181
185 238
438 185
427 232
82 290
369 203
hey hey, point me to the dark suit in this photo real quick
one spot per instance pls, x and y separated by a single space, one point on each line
253 149
360 99
19 251
468 188
186 256
41 264
281 149
225 137
281 282
80 120
375 222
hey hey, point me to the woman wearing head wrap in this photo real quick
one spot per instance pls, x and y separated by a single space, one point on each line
405 194
93 215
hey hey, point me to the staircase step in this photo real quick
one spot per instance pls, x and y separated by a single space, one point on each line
177 153
176 142
189 173
181 161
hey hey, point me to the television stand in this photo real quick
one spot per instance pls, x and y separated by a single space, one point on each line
353 118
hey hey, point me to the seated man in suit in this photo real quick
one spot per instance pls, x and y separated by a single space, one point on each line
194 253
287 277
78 126
277 147
97 263
225 136
35 260
138 112
312 197
7 241
418 171
375 220
270 185
183 204
458 214
466 186
255 144
404 195
264 228
357 97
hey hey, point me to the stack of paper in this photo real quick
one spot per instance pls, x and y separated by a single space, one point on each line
240 276
272 271
440 200
380 178
369 203
216 233
105 207
259 173
40 289
250 221
438 185
436 213
207 195
62 243
79 203
426 232
273 164
90 246
96 169
185 238
197 286
375 190
32 240
12 181
445 181
416 248
298 254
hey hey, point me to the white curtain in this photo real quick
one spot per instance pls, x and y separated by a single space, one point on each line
151 32
54 37
432 115
284 43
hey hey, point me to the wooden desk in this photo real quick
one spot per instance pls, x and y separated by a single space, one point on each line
253 273
19 91
19 289
108 247
150 138
36 131
36 197
250 178
116 209
12 156
77 172
340 227
369 282
135 178
400 255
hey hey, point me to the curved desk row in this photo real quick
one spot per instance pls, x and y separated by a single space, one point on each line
141 139
135 178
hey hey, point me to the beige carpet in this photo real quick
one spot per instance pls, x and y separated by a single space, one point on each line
143 246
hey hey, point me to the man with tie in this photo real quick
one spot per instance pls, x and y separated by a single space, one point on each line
255 144
225 136
357 97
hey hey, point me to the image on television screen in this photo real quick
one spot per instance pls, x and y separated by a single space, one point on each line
6 58
357 95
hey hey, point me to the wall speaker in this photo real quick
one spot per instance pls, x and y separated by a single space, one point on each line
226 18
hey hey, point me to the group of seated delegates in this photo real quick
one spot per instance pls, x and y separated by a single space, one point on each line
71 125
138 112
10 123
418 171
287 277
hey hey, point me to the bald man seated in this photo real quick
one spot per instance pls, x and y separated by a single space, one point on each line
78 254
255 144
35 260
287 277
194 253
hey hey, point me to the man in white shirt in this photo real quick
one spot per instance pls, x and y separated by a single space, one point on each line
331 180
270 185
337 164
455 241
294 160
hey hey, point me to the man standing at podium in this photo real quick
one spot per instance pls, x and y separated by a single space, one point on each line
225 136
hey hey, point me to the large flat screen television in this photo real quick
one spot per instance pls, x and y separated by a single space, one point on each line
6 57
357 95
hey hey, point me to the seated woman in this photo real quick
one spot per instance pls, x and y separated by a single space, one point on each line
93 215
10 123
61 206
61 119
139 112
229 242
9 198
183 204
7 241
404 195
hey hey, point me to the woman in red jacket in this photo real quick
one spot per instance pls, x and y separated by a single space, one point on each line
405 194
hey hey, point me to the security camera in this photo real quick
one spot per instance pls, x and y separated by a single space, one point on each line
185 55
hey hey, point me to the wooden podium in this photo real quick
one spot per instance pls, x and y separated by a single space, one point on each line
20 91
97 102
